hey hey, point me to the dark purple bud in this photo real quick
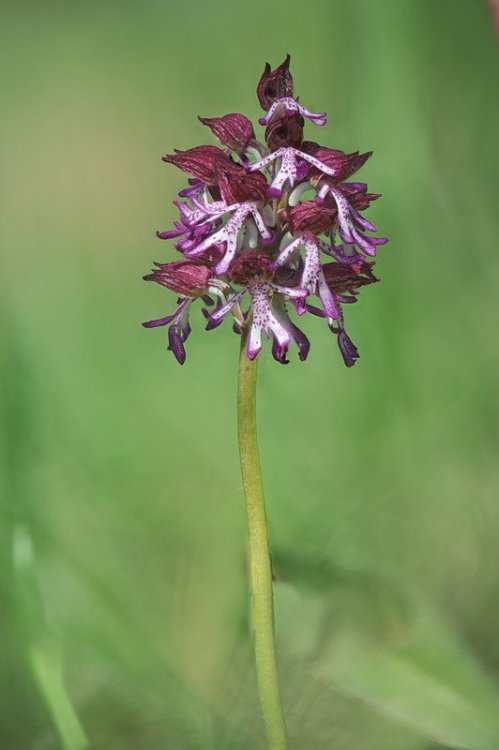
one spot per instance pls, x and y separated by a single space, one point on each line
237 185
251 265
233 131
348 349
275 84
198 161
188 278
345 277
284 130
309 216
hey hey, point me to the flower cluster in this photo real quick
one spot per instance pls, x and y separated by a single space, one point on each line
268 227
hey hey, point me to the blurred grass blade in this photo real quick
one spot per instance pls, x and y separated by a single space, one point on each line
43 650
46 662
368 642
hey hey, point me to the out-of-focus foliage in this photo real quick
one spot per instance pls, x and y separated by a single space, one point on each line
122 537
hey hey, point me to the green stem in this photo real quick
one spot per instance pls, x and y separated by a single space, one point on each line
260 566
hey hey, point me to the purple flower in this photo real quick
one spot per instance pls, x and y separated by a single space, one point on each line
350 223
230 233
312 275
268 316
268 229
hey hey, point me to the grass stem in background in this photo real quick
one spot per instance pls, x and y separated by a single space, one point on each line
44 650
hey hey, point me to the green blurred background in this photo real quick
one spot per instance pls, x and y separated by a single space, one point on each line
123 591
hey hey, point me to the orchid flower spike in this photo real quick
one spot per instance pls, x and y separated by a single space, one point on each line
268 228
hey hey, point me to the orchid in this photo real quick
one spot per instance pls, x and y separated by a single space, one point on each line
248 195
257 250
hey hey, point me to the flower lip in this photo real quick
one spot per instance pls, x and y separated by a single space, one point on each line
294 166
233 130
351 225
275 84
229 233
348 349
291 106
198 161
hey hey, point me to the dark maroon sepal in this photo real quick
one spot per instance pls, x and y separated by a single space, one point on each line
237 185
310 216
251 265
233 130
198 161
186 277
345 164
284 130
344 278
275 84
357 195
